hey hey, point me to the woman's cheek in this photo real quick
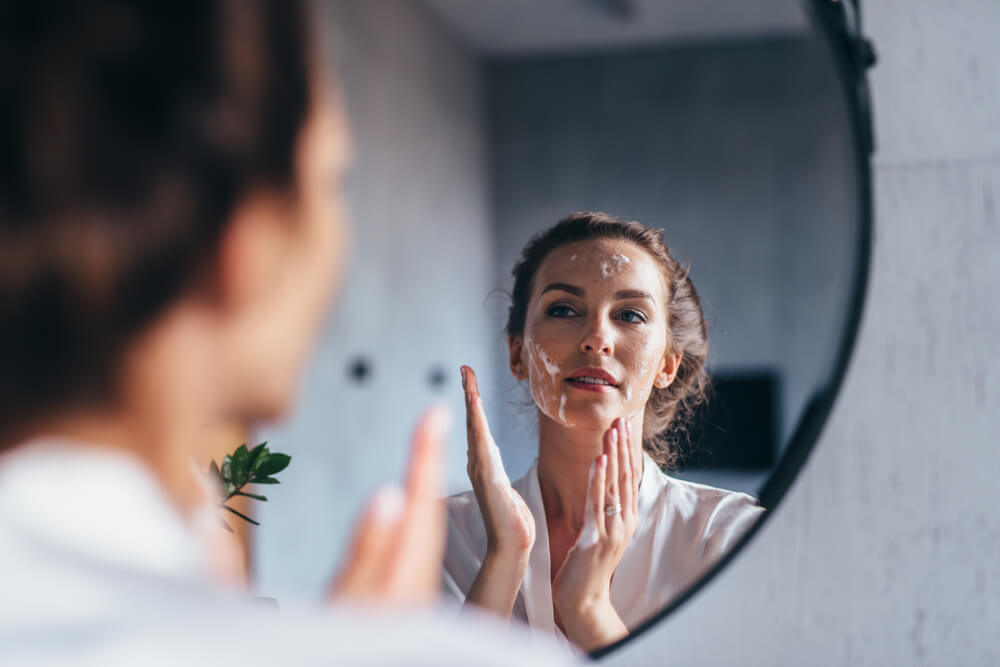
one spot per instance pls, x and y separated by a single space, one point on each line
543 378
636 380
640 384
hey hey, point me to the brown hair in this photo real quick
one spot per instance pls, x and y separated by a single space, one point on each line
670 410
129 132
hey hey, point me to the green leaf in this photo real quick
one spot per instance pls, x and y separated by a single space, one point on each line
251 495
273 463
241 515
239 467
227 468
263 455
228 490
254 453
266 480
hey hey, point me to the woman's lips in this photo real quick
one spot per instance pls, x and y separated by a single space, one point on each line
586 386
592 379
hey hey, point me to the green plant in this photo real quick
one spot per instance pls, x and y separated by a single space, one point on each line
242 467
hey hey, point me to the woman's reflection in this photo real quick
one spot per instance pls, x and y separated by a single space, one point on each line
607 328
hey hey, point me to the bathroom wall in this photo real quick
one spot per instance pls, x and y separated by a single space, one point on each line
735 147
412 303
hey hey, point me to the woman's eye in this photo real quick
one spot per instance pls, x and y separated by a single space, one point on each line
561 310
633 317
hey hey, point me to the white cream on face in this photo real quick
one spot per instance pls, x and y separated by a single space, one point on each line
614 264
562 410
551 367
543 375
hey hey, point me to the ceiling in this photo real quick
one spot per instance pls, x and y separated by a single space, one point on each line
508 27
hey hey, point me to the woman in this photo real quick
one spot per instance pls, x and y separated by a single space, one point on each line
171 232
607 329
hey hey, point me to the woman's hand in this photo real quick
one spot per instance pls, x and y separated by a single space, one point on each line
398 545
510 527
581 590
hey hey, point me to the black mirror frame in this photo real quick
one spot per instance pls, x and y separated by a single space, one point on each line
839 23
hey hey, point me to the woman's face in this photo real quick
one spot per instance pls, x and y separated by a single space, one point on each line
595 335
299 269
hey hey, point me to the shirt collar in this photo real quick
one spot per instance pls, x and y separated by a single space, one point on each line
651 487
536 588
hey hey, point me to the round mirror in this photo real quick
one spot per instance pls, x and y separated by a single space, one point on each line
738 130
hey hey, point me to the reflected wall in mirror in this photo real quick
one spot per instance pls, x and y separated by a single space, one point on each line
721 129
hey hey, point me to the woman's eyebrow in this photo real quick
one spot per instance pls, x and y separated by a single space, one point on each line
565 287
634 294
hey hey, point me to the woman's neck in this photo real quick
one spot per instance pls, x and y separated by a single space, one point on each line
161 418
565 455
159 444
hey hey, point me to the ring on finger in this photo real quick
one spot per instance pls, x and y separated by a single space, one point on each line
612 510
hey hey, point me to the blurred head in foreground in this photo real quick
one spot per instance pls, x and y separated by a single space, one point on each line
170 219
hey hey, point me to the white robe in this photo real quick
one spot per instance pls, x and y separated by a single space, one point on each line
683 528
96 568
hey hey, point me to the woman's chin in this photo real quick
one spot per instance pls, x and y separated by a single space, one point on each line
593 417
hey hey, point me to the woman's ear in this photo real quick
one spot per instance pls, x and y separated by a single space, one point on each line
253 249
515 344
671 364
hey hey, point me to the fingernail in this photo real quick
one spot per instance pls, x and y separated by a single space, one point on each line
604 460
614 437
461 371
388 504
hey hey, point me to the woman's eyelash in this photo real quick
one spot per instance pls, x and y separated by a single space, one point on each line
560 310
642 318
629 315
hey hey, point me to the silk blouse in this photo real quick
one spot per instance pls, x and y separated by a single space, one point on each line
683 529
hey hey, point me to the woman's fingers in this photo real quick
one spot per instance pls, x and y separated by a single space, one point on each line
371 553
395 554
611 451
635 462
635 446
424 476
421 535
626 488
483 452
593 519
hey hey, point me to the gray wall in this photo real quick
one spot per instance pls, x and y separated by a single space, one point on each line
887 550
737 148
413 296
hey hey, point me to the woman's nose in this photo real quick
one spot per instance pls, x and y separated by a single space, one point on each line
597 339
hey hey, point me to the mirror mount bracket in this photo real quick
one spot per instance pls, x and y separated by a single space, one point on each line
857 53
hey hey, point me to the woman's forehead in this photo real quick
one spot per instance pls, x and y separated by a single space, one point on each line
596 262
